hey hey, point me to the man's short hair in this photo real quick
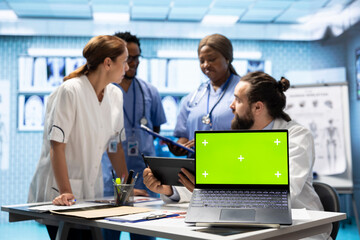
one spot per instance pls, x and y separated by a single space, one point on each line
128 37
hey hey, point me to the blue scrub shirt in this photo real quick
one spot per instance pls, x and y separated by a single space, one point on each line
190 117
155 116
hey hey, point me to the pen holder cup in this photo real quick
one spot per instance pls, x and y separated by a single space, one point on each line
124 194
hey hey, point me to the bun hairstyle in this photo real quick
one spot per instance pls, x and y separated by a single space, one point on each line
95 52
266 89
283 84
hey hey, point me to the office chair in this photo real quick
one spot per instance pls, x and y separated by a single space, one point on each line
330 201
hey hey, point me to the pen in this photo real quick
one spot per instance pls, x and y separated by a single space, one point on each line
153 216
135 178
147 218
113 174
128 180
158 216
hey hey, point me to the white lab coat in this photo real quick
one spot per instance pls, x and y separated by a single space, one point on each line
301 160
74 116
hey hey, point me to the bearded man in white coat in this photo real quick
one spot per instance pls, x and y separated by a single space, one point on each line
259 103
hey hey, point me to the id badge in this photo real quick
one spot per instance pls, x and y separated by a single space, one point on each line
133 147
113 145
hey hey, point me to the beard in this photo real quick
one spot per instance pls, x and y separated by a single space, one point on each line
245 122
128 77
131 73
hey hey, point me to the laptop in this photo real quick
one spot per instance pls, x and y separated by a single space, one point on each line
241 178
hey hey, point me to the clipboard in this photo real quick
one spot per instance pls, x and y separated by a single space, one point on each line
142 219
145 128
148 216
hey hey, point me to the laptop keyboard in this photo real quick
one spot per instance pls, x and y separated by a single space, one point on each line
240 199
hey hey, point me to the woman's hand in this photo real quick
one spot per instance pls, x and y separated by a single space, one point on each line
65 199
187 179
154 184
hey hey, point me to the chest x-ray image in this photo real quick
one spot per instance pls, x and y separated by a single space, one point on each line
171 110
72 63
55 71
31 112
255 66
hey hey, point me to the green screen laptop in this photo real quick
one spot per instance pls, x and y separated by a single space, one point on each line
241 177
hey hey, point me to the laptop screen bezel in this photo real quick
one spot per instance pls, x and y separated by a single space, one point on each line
245 186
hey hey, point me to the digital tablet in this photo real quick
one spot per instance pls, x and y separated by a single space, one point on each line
145 128
167 169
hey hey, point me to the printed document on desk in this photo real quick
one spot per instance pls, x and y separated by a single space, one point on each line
140 201
170 218
51 207
103 212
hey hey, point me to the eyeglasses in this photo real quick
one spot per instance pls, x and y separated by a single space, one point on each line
133 58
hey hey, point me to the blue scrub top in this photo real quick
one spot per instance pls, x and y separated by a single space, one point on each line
155 116
190 117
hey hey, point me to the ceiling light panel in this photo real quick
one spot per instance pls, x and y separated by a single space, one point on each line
260 15
192 3
307 4
219 20
49 1
187 13
111 16
342 3
149 13
272 4
51 10
156 3
226 11
117 2
3 5
233 3
294 15
110 8
6 14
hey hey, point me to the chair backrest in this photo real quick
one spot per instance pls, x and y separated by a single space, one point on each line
330 201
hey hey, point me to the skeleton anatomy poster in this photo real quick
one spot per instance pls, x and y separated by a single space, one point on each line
320 109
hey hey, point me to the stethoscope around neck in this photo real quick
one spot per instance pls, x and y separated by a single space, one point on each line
204 87
143 120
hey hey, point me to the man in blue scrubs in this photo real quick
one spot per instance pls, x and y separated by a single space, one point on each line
142 105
